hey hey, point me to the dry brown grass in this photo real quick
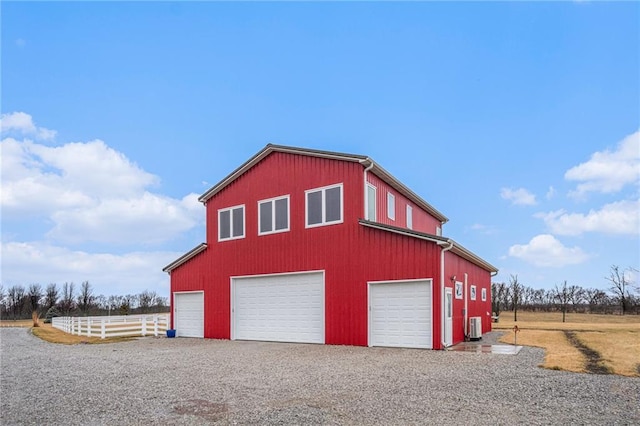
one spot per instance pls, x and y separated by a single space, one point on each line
620 351
53 335
616 338
16 323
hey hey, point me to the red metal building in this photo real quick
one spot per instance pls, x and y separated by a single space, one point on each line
323 247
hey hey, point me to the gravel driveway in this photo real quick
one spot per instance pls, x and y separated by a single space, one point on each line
192 381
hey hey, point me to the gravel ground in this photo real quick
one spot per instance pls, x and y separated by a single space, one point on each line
193 381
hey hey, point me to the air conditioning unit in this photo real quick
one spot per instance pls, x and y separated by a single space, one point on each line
475 328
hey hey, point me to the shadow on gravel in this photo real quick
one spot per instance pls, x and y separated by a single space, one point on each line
210 411
594 360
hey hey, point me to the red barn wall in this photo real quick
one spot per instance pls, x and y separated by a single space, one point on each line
350 254
456 265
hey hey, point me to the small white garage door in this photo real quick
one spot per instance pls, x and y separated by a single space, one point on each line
278 308
188 314
400 314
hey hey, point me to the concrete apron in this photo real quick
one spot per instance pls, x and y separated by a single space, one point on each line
478 347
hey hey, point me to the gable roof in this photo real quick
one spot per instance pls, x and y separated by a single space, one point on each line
456 248
365 161
187 256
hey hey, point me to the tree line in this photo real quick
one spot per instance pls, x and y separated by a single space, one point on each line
19 302
622 296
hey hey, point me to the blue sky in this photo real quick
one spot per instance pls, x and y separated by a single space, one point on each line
519 121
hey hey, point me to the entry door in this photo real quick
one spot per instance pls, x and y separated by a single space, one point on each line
448 317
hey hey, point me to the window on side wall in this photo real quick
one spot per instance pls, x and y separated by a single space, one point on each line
324 206
231 223
391 206
273 215
473 292
409 217
484 294
371 202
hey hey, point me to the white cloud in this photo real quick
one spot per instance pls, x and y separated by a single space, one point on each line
551 193
608 171
546 251
89 192
22 123
483 229
621 217
149 218
518 196
33 262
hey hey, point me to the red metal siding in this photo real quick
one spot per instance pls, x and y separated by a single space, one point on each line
350 254
300 249
422 221
455 265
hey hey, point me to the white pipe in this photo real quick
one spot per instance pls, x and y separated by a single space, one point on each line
366 193
442 307
466 305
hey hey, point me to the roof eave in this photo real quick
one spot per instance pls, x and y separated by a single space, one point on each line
456 248
185 257
403 189
268 150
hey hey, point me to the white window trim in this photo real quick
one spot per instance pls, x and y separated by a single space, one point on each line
409 214
473 292
375 192
484 294
244 223
324 209
391 206
273 215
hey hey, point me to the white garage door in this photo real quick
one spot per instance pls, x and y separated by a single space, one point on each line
188 311
279 308
400 314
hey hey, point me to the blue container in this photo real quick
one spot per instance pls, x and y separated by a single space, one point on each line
171 333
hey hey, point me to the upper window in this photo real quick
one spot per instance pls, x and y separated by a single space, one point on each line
409 217
484 294
473 292
371 202
391 206
438 231
231 223
324 206
273 215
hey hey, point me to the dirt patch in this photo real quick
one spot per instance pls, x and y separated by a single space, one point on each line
595 362
211 411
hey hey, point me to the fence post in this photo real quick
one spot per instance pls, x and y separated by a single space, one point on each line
144 326
102 329
155 325
89 327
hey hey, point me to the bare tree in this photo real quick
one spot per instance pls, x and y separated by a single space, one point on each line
35 295
16 299
2 296
516 294
498 292
563 297
51 296
66 302
85 298
146 299
620 285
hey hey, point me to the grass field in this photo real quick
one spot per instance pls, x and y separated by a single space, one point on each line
53 335
584 343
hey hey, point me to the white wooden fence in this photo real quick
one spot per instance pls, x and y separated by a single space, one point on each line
114 326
